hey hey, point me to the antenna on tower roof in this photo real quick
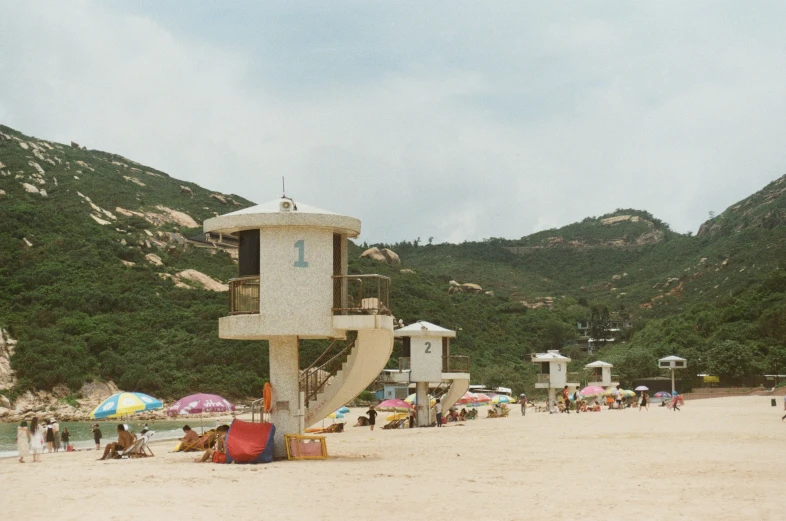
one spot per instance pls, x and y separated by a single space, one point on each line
283 188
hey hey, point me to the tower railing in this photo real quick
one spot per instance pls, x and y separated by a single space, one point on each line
543 378
574 376
450 364
244 296
365 294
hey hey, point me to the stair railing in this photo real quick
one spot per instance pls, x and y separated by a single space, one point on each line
315 377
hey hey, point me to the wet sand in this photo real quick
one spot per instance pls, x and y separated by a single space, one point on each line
717 459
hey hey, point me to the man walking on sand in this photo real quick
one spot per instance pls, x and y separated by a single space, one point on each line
439 413
523 402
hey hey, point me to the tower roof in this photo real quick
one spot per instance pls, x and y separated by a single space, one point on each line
282 212
551 356
599 363
423 328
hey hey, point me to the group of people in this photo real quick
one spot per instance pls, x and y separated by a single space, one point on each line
34 437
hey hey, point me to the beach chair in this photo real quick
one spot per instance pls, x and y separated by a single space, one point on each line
395 424
139 449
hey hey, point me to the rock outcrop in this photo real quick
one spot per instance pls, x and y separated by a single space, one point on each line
382 255
468 287
7 345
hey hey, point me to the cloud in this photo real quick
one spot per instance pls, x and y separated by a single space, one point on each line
462 124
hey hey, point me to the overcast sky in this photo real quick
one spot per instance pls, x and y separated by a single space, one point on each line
457 120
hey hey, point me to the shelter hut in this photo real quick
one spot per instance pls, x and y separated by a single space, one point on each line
671 363
292 285
426 361
553 373
600 374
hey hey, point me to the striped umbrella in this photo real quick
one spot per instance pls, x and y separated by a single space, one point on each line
500 398
394 405
122 404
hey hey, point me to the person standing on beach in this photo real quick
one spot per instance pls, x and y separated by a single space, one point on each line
645 401
372 417
23 441
617 393
566 399
50 437
56 431
36 439
65 437
523 402
97 436
438 408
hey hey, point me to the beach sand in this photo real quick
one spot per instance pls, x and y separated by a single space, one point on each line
717 459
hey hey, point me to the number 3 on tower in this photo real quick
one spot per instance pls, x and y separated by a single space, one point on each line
300 246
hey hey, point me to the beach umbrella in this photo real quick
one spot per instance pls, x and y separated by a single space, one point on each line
200 403
662 394
343 410
611 391
467 398
122 404
336 415
642 388
628 394
500 398
397 416
482 399
592 390
413 398
393 405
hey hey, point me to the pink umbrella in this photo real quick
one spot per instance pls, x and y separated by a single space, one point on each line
482 398
592 390
394 404
200 403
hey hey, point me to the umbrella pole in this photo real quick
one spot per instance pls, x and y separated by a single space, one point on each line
201 427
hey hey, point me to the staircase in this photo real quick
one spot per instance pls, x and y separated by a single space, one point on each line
343 376
454 391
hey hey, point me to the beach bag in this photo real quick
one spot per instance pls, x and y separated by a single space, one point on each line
219 457
70 448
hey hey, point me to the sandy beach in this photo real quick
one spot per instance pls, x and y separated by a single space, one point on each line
718 459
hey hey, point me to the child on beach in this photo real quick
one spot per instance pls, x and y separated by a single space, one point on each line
36 439
23 441
372 416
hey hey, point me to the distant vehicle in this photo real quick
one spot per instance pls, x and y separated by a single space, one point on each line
480 388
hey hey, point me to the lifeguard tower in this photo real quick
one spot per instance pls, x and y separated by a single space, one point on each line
292 285
553 373
600 374
672 363
426 361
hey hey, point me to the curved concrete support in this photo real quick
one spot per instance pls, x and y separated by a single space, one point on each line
368 357
456 390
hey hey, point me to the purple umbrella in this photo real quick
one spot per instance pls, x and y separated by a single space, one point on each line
200 403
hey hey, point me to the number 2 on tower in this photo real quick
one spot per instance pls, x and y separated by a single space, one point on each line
300 246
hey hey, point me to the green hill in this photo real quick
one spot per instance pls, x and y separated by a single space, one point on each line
84 293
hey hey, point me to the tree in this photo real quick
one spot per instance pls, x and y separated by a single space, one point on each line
732 360
599 323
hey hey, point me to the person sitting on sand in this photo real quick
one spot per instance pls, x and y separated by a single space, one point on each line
219 445
124 440
362 422
463 414
189 442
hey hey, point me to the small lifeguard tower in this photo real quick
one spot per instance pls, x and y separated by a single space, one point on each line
426 361
672 363
600 374
553 373
292 285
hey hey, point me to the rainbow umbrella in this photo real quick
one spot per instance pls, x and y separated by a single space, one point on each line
500 398
122 404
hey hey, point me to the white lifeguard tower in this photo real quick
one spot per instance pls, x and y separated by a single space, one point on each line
600 374
553 373
293 285
426 361
672 363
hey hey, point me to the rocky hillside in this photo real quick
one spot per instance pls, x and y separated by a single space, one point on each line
105 281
